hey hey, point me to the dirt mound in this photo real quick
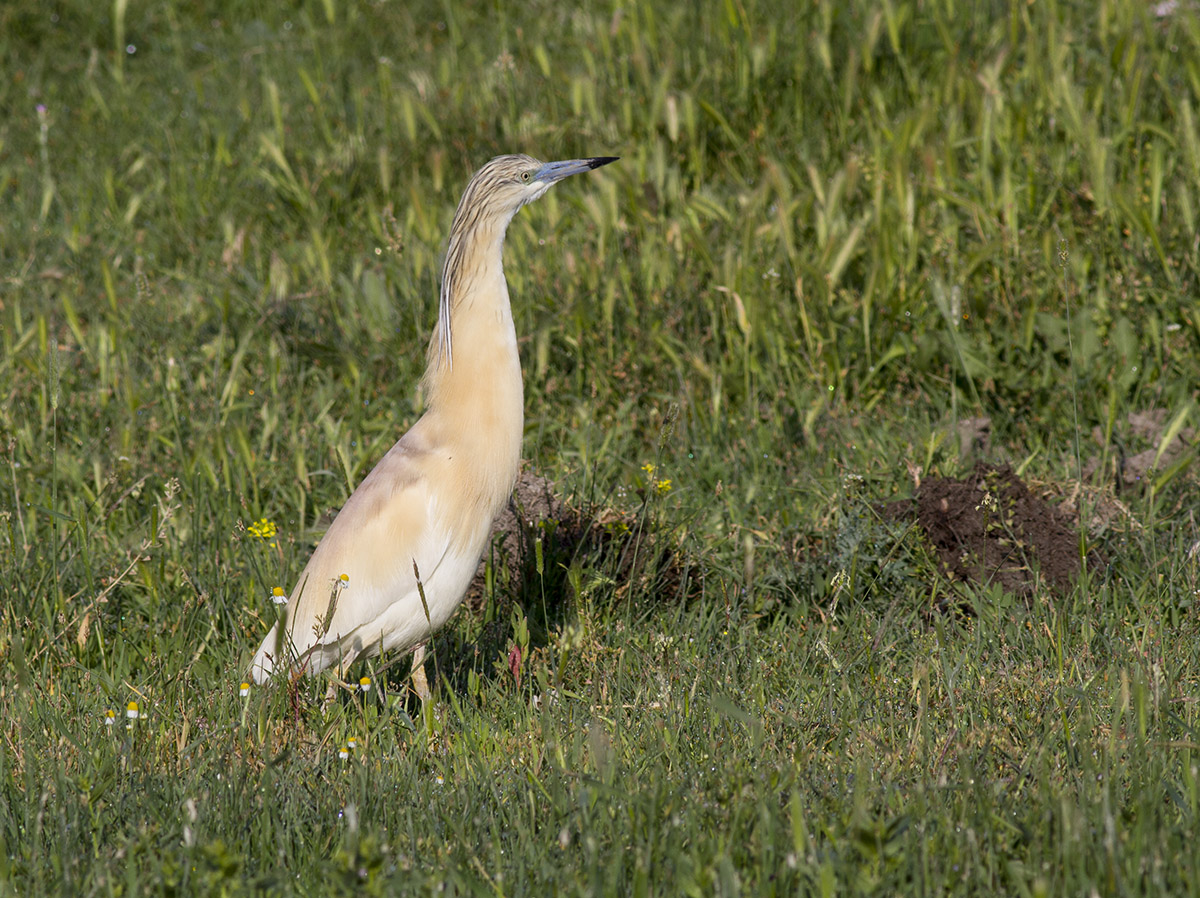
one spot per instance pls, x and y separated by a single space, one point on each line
611 539
989 528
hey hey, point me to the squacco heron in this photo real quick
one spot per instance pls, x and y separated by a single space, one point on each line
398 558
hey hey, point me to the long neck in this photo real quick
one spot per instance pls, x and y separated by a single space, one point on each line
474 372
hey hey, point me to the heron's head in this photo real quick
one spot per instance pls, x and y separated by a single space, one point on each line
493 197
507 183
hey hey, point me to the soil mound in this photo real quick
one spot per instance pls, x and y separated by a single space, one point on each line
614 540
989 528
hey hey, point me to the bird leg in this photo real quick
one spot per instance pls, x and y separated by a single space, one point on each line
420 685
339 677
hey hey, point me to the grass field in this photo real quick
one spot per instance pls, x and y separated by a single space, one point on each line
833 235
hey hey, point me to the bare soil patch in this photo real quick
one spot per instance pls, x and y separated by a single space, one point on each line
988 527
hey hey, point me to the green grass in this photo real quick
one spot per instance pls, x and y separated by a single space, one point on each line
831 235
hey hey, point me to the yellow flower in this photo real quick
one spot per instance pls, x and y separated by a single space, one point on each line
244 690
662 487
344 752
365 684
351 744
278 596
263 529
110 717
131 710
343 582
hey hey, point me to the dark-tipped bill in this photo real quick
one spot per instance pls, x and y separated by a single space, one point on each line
556 171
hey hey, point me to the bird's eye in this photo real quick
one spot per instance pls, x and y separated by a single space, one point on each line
526 175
